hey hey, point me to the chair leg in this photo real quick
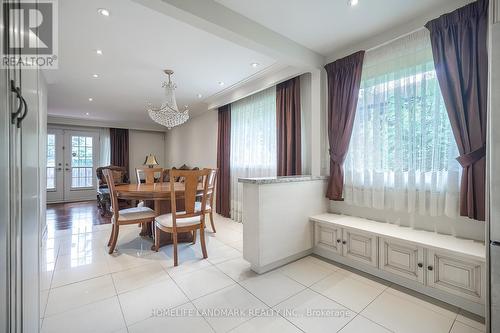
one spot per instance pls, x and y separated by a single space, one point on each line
115 239
212 221
202 241
175 249
157 237
112 233
194 236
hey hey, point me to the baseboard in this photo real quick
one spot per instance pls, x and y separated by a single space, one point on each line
281 262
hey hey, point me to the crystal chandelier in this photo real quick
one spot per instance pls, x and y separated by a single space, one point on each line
168 113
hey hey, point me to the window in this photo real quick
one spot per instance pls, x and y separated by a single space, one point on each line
81 161
253 142
51 161
402 151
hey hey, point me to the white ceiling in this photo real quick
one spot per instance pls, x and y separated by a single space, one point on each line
327 26
137 44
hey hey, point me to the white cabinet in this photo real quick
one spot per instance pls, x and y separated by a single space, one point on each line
350 243
328 237
360 246
402 258
441 266
456 275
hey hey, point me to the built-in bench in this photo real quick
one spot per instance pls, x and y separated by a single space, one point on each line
442 266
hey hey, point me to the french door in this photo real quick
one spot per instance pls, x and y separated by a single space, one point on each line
71 163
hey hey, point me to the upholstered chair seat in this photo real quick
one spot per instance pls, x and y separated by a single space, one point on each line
166 220
136 213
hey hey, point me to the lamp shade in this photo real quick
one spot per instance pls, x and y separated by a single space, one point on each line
151 161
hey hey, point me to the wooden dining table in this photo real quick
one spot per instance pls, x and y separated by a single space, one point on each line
156 193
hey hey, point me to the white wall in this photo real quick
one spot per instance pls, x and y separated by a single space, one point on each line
142 143
194 143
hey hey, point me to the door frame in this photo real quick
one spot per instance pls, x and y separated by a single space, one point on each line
69 194
57 194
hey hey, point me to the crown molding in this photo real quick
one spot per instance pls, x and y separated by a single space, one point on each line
72 121
262 80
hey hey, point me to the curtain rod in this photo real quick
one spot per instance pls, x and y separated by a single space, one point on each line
394 39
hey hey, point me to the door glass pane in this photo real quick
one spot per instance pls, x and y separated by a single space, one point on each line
81 161
51 161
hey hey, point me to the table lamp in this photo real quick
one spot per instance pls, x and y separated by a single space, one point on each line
151 161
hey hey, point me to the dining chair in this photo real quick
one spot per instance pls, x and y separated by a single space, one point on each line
212 178
149 175
190 219
140 215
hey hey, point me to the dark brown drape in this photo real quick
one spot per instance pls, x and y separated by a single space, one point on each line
223 155
288 127
459 47
120 149
344 79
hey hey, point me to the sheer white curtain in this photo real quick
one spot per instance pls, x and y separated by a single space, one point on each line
402 151
104 147
253 142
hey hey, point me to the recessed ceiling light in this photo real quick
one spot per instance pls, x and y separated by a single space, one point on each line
87 114
90 99
95 76
352 3
99 52
254 64
199 95
220 83
103 11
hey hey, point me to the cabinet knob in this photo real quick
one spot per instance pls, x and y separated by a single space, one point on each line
344 242
420 265
338 241
429 268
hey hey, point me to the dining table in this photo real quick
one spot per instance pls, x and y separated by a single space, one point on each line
156 193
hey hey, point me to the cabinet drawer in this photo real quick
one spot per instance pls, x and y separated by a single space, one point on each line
328 237
360 246
455 275
401 258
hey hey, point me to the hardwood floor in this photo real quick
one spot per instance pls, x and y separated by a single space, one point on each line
62 216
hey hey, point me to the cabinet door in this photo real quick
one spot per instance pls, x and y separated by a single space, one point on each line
360 246
456 275
328 236
403 259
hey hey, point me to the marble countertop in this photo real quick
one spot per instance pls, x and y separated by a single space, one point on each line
285 179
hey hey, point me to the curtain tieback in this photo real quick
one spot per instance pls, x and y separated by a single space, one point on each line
468 159
335 158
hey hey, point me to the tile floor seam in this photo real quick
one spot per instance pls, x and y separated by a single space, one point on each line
75 282
422 297
331 299
271 307
202 316
78 307
470 326
356 312
415 303
119 303
378 324
53 271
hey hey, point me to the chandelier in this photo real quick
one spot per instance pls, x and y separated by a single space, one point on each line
168 113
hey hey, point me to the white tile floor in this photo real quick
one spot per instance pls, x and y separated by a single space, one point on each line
137 290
